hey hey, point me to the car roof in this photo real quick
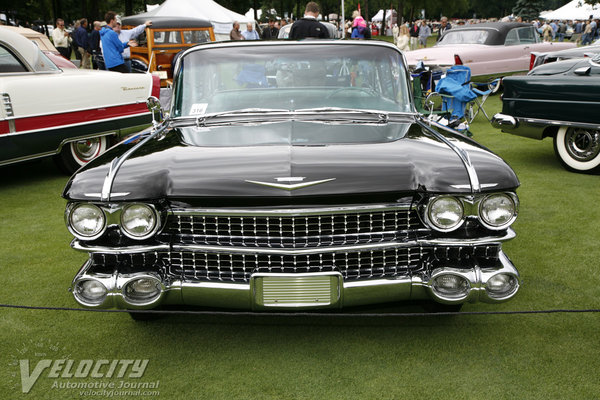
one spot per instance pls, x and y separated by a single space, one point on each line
497 30
39 38
167 22
25 48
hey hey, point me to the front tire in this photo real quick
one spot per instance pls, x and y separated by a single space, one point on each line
578 149
78 153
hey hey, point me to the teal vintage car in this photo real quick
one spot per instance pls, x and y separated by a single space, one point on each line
560 100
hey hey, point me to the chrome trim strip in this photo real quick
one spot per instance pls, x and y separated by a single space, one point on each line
291 212
540 121
82 246
73 125
461 153
116 164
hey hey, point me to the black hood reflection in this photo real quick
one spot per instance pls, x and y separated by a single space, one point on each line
389 158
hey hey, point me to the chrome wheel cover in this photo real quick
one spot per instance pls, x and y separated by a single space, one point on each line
582 144
86 150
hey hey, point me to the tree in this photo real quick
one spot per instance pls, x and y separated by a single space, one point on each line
528 9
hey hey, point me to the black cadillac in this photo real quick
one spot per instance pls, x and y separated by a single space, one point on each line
293 175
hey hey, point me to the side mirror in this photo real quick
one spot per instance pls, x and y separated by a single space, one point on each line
156 109
582 71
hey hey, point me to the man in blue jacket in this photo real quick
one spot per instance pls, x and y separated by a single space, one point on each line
82 42
112 47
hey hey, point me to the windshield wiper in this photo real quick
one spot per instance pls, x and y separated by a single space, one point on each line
321 114
226 117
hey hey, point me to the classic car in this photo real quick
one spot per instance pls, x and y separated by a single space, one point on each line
567 54
162 40
491 50
44 44
71 114
289 176
557 100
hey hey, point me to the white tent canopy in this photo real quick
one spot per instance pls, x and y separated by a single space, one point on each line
576 9
379 16
220 17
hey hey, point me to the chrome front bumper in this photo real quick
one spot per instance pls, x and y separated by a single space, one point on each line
533 128
277 291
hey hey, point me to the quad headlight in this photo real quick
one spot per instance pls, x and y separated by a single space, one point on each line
497 211
445 213
138 221
86 221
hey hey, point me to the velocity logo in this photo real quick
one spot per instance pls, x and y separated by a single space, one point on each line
39 360
66 369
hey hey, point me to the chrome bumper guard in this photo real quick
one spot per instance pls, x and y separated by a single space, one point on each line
278 291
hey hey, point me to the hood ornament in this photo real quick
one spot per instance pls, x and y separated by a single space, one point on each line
289 185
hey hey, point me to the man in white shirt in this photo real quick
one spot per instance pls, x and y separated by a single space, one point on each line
125 35
61 38
250 33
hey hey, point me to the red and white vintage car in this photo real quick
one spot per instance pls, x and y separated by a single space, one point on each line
71 114
491 50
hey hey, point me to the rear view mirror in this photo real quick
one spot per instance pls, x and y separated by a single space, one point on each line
155 108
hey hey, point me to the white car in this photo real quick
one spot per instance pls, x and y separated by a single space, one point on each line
71 114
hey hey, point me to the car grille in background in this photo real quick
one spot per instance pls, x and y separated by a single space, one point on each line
307 229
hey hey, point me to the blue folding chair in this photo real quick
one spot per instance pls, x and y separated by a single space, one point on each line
461 96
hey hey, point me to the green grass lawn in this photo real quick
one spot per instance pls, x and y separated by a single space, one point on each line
555 356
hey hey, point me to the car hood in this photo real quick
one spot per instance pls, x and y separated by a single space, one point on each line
171 168
559 67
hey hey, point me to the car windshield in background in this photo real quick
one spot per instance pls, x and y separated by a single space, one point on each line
464 37
216 80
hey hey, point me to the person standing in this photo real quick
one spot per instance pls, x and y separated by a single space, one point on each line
271 32
250 33
95 44
403 39
308 26
424 33
414 36
125 35
112 47
235 33
444 26
83 44
60 37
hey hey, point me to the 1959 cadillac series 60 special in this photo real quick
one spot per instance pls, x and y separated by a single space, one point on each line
293 175
558 100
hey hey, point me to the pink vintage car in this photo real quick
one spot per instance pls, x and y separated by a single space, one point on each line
491 50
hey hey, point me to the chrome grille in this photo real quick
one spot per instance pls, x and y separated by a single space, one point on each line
293 228
360 264
235 267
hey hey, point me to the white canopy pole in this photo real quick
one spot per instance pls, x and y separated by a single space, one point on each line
343 22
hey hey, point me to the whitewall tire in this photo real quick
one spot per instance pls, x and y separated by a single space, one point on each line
578 148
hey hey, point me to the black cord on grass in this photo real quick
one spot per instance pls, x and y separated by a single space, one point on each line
301 314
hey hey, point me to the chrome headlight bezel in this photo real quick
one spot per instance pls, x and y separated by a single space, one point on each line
149 233
70 211
430 221
515 204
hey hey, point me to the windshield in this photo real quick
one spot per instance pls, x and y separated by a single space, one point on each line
291 78
464 37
